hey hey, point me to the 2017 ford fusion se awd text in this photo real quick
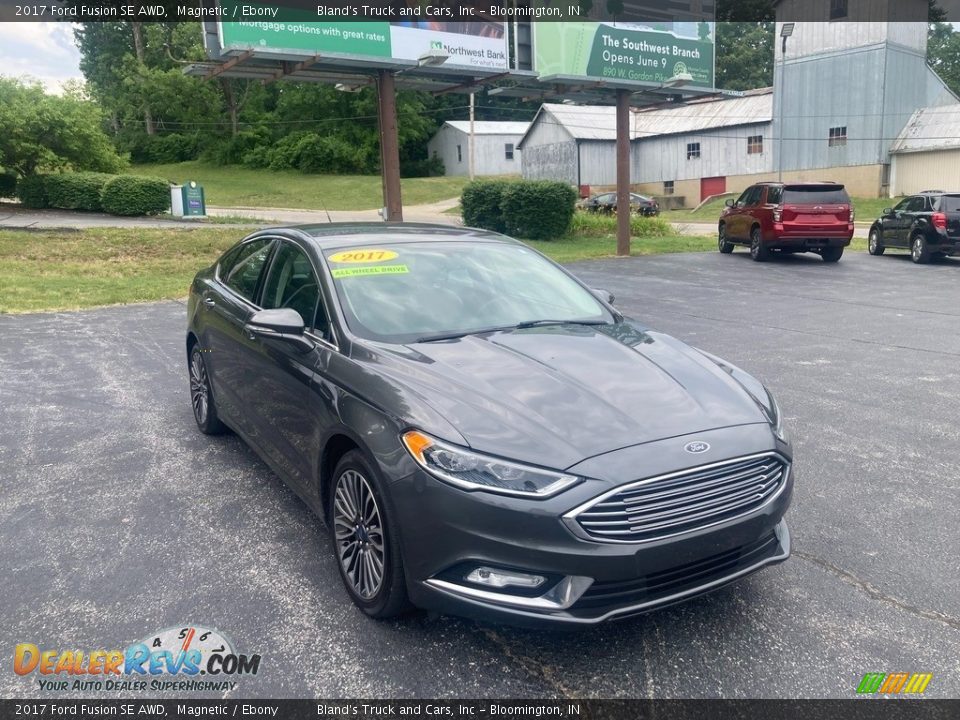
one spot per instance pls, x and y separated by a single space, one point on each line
483 434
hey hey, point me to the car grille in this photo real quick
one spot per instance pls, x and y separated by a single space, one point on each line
672 581
685 501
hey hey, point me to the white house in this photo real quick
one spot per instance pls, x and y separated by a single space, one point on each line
495 151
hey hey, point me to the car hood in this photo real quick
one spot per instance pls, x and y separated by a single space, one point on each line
556 395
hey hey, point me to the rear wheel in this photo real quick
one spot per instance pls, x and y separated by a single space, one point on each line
874 246
723 245
201 396
758 251
831 254
919 250
365 545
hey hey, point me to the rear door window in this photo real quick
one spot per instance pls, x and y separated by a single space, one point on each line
917 204
950 203
240 270
815 195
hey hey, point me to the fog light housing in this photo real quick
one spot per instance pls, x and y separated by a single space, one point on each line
496 578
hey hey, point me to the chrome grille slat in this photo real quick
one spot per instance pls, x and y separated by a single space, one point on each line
685 501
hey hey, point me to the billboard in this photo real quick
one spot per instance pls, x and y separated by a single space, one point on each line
481 45
640 52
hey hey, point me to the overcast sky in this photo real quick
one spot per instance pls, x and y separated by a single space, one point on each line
46 52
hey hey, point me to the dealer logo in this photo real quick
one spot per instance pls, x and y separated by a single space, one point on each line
186 652
696 447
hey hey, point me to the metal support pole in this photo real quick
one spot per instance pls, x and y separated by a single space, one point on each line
623 172
783 97
471 148
389 146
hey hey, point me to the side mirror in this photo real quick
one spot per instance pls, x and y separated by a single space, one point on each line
282 324
605 295
887 212
729 202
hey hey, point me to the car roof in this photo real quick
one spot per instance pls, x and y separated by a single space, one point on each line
804 183
329 235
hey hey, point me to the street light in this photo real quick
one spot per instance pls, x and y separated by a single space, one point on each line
432 57
786 30
678 80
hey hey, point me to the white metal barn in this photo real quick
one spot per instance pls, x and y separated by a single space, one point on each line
495 153
926 155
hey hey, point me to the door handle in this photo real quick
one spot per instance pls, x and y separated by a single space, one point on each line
209 301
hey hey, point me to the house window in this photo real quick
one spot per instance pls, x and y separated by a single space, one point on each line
838 9
508 151
668 187
693 151
755 145
459 154
838 136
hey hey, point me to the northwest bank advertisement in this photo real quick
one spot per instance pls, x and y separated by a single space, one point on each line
638 52
470 44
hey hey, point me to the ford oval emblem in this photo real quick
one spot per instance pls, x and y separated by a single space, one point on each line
696 447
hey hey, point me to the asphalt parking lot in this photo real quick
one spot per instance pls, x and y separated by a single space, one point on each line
120 519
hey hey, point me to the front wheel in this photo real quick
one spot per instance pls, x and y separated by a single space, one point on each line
831 254
874 246
723 245
364 542
201 395
919 250
758 251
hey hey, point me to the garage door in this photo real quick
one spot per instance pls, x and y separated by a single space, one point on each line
712 186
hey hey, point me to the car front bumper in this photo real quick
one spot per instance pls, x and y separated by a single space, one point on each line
446 532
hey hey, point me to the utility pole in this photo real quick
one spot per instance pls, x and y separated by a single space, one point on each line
623 172
471 145
389 146
786 30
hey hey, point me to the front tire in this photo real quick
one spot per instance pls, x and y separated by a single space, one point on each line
201 395
723 245
758 251
919 250
364 541
831 254
874 246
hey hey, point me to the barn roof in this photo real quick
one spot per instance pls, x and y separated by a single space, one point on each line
598 122
930 128
489 127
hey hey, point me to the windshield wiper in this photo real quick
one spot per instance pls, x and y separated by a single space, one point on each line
461 333
543 323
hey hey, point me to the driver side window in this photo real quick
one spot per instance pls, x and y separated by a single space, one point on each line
292 283
902 205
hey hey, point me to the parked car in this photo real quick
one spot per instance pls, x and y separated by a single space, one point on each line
927 224
790 218
483 434
607 202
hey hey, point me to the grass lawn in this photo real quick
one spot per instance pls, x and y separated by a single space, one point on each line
69 270
867 210
235 186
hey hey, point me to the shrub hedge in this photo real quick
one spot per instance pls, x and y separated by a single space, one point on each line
32 191
8 184
76 190
533 209
136 195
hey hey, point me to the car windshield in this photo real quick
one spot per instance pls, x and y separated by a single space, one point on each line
419 291
815 195
950 203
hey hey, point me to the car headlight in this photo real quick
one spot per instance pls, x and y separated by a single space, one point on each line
777 420
472 471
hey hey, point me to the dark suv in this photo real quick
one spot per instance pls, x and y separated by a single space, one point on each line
789 217
927 224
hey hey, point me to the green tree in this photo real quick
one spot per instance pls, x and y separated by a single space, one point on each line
744 55
46 132
943 54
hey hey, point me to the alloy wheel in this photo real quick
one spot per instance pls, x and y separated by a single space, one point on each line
199 391
916 249
358 529
873 243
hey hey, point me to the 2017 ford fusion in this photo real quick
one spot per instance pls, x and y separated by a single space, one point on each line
483 434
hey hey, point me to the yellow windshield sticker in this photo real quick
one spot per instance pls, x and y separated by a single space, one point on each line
372 270
363 256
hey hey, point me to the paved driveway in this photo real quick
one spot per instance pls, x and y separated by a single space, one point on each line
119 518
